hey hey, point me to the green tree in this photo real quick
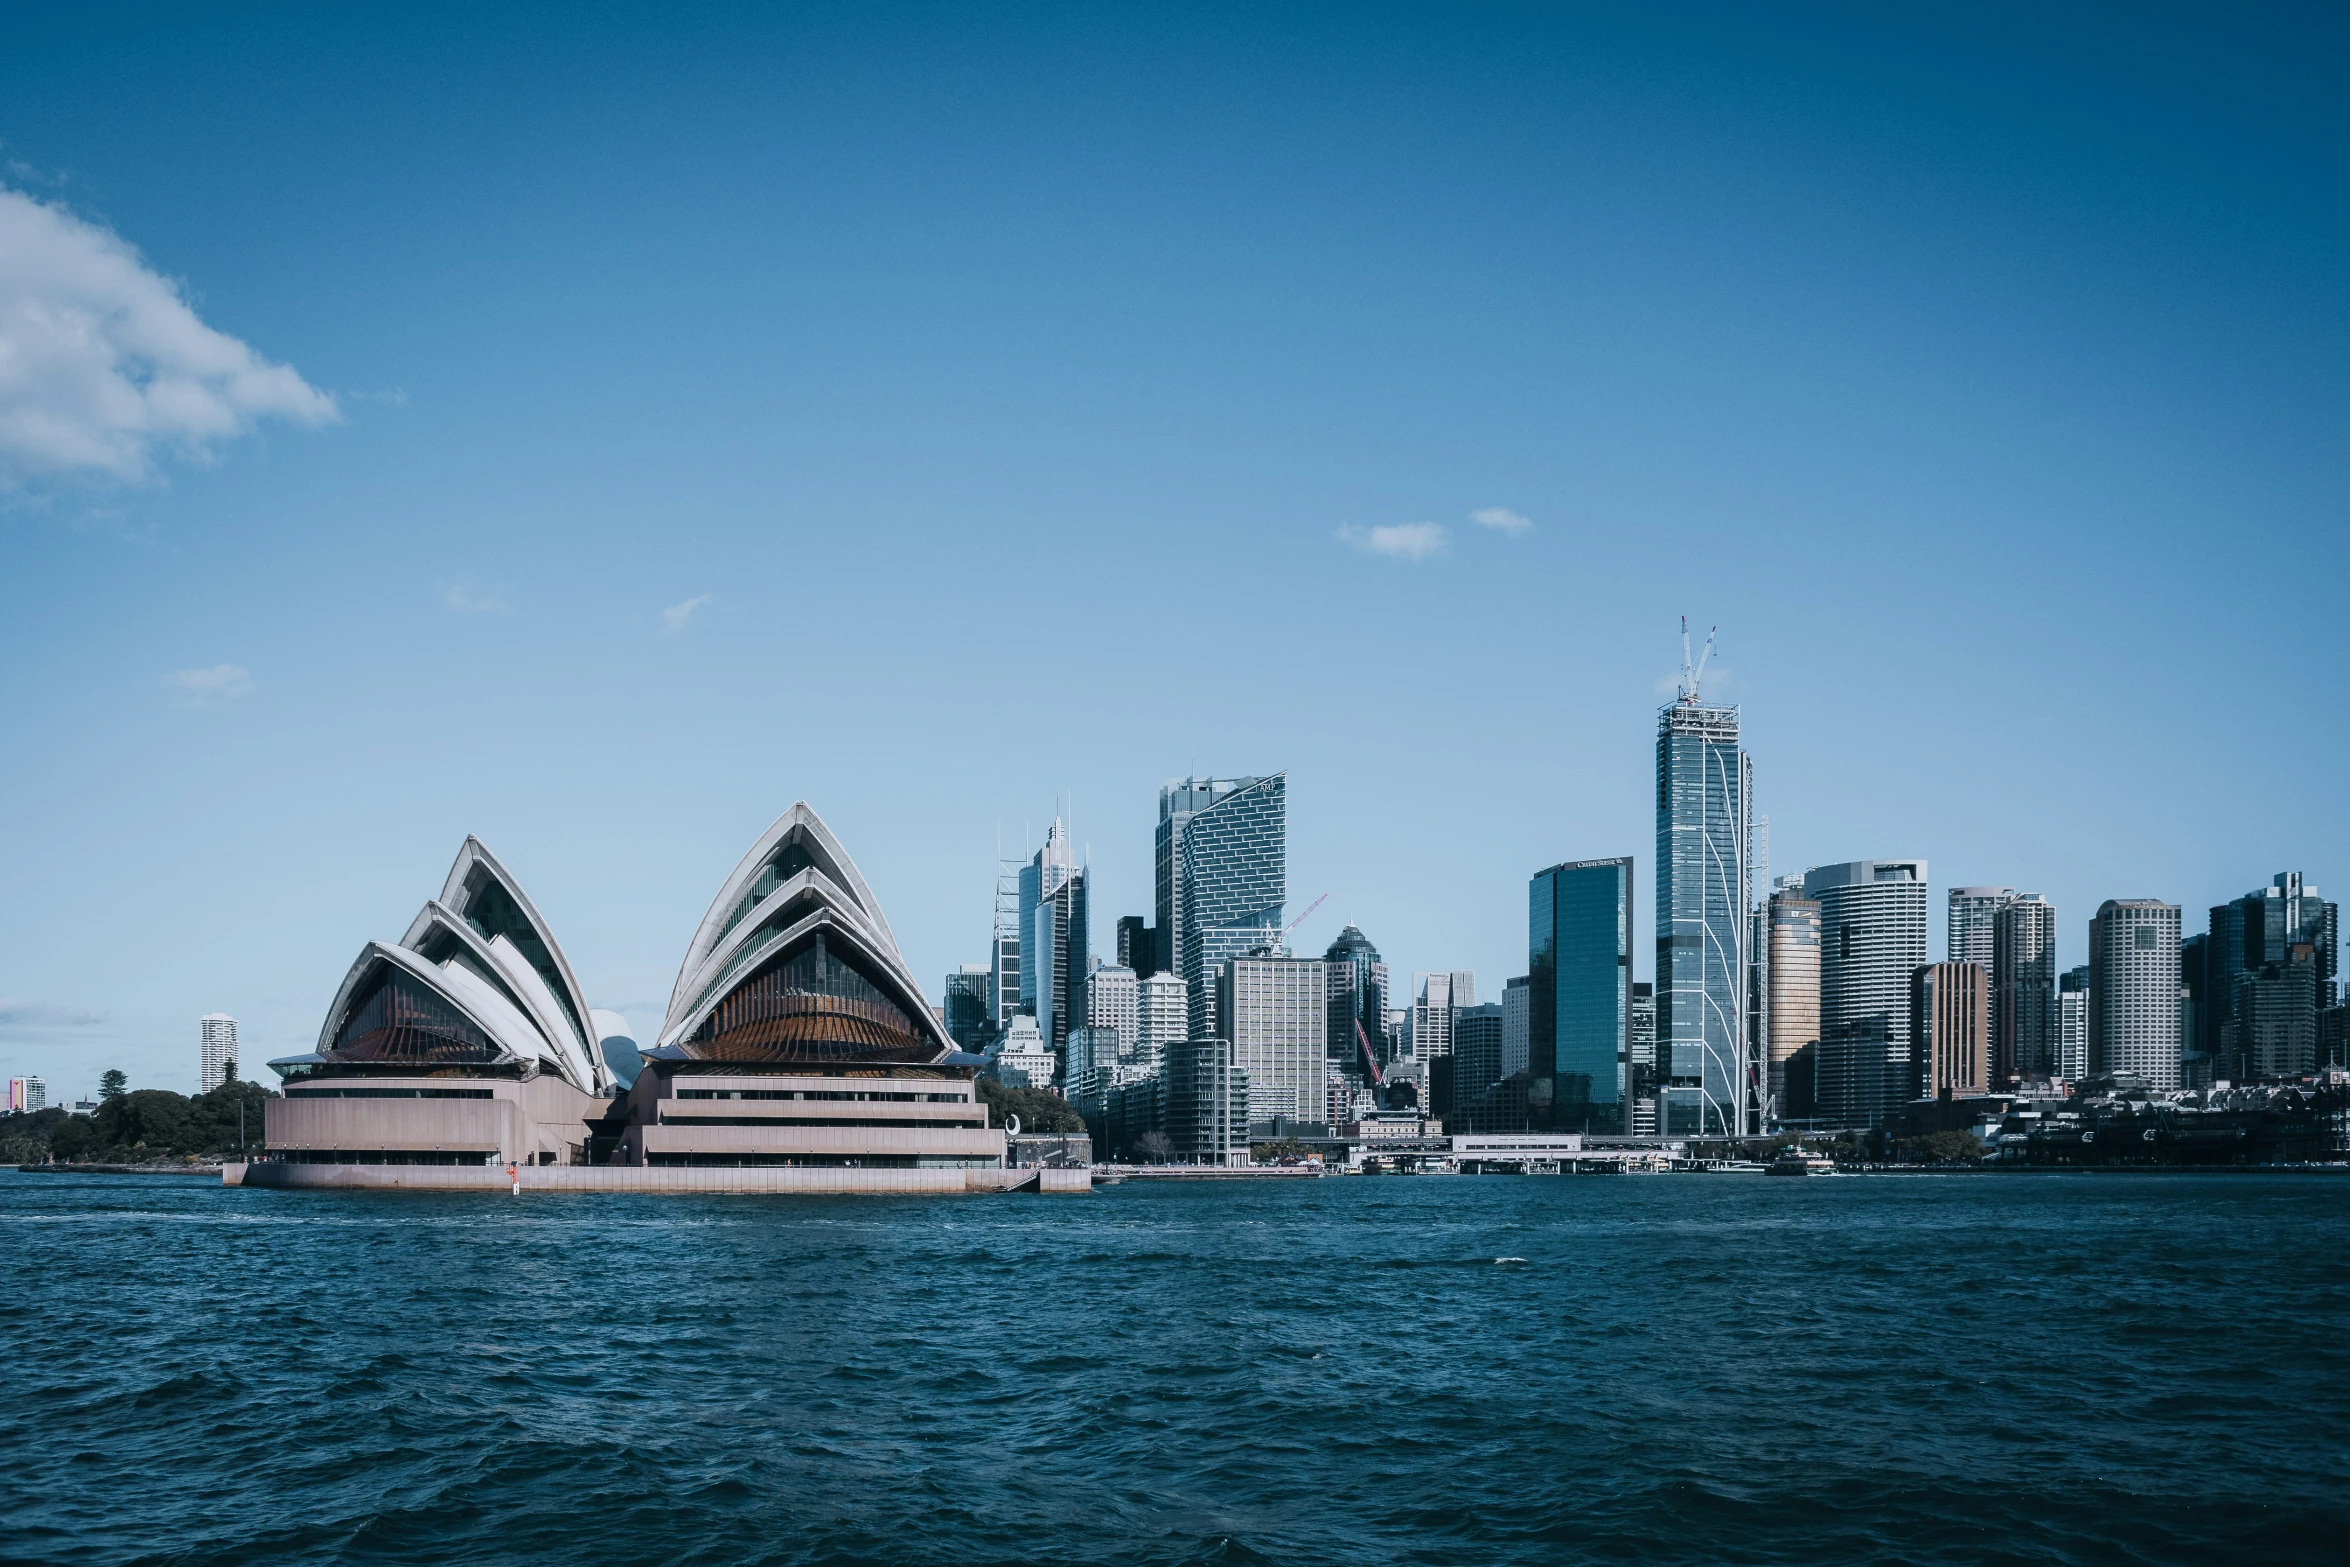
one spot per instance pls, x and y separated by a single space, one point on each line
113 1085
71 1140
1275 1152
1038 1109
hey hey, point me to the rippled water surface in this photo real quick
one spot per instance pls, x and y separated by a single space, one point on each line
1693 1368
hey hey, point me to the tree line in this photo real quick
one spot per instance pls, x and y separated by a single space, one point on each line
138 1126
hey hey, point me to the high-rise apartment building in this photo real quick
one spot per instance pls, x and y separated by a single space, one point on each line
1275 1011
2134 991
1872 938
1162 1017
1950 1024
1579 928
1706 1082
216 1050
1517 1024
27 1094
1203 1100
1791 971
1113 1001
1972 928
1358 1005
1223 848
2072 1024
2023 990
966 1002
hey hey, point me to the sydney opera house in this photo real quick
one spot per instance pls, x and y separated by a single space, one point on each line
797 1052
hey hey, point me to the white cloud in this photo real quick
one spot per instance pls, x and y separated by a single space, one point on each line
214 687
468 597
675 618
103 366
1400 540
34 1015
1502 520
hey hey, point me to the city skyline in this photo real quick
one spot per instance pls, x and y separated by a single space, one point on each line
1413 375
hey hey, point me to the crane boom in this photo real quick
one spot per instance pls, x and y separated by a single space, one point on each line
1277 941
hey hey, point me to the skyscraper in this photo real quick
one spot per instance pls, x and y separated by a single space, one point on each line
1113 1001
1003 947
1476 1058
1872 937
1706 1080
1223 877
1517 1024
1061 950
27 1094
1973 924
967 1005
1040 878
1640 1071
1435 996
2023 990
1579 974
1358 1004
1138 948
1791 1005
2262 934
1950 1021
1276 1013
2134 991
216 1050
1162 1017
2276 1010
2072 1024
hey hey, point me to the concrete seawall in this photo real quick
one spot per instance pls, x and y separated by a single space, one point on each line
807 1180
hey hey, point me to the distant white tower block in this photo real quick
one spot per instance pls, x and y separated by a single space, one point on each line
219 1052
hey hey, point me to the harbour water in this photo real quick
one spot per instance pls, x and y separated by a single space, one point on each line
2037 1367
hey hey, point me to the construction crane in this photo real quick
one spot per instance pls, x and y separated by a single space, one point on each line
1690 677
1280 940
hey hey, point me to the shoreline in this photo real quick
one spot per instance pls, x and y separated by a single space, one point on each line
62 1168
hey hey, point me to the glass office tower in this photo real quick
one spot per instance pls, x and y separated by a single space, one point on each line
1230 877
1579 970
1706 1082
1358 1005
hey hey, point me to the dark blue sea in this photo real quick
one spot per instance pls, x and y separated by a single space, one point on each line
1990 1368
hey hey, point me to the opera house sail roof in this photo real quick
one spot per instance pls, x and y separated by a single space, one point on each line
794 965
477 982
796 1045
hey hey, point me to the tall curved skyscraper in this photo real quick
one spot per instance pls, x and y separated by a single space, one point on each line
1706 1078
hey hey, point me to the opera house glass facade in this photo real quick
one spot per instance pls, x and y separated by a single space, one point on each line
795 1035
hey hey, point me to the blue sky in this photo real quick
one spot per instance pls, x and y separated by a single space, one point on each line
936 414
